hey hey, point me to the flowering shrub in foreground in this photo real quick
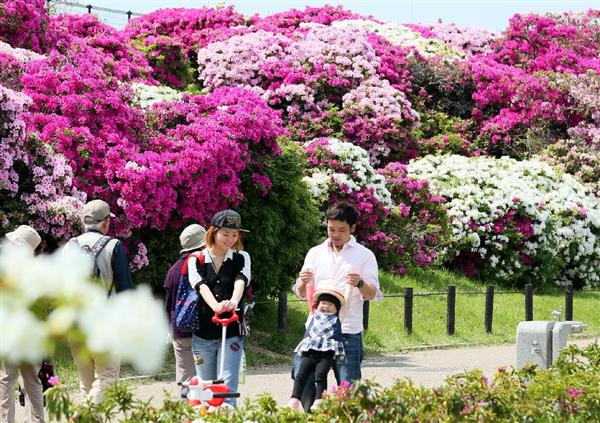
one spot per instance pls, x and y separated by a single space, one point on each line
569 391
516 221
47 300
24 23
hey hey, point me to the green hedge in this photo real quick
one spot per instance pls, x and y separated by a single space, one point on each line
568 392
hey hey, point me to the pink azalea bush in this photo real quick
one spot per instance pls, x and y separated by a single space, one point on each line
416 230
51 202
24 23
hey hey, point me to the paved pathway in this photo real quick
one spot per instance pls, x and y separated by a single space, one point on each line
428 368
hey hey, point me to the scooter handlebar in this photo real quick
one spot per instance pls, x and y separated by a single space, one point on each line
225 322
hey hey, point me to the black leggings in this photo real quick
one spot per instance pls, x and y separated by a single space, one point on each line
318 361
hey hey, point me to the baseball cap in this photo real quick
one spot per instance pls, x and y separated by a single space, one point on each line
95 211
228 219
25 235
192 237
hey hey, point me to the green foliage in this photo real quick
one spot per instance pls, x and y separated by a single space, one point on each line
163 250
568 391
283 225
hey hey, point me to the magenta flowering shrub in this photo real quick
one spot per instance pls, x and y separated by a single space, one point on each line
191 28
511 103
469 40
170 38
78 32
416 230
289 22
393 64
569 42
24 23
192 147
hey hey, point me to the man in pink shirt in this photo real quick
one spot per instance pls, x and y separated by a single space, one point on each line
342 263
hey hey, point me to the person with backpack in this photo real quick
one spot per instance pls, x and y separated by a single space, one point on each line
220 278
27 237
111 267
192 241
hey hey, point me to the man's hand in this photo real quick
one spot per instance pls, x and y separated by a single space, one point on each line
307 276
352 278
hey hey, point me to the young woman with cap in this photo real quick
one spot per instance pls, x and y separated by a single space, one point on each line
221 283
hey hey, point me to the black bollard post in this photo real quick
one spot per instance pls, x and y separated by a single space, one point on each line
408 309
451 310
529 302
569 302
489 308
366 315
282 311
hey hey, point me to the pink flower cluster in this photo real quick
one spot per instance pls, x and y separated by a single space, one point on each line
24 23
12 135
53 204
416 229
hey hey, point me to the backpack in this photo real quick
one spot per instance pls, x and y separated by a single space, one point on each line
94 251
187 302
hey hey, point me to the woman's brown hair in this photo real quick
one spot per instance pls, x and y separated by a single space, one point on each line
209 239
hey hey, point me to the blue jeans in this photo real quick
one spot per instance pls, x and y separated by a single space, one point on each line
347 368
209 352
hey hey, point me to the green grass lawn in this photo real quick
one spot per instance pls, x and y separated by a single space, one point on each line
386 333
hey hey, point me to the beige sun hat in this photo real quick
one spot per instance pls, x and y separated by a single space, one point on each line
25 235
192 237
331 291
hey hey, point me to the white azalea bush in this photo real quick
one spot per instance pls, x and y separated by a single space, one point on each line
516 221
47 299
400 35
146 95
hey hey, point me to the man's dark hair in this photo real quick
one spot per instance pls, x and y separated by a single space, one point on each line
344 212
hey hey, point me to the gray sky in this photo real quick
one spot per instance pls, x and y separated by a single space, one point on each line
489 14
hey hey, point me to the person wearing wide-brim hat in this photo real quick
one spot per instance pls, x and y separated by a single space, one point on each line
321 345
221 283
191 240
27 237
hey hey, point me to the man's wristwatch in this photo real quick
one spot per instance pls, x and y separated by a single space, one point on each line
360 284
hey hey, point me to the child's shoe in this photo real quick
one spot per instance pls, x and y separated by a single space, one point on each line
316 404
294 403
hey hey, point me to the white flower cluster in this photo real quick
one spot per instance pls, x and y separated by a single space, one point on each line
400 35
563 219
322 181
47 298
147 95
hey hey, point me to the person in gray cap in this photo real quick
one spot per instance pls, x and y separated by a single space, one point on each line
27 237
191 239
112 268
